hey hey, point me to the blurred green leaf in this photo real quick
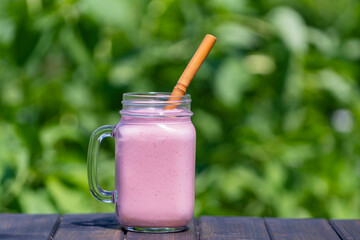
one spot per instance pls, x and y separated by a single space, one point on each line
338 87
231 81
351 49
208 125
36 202
291 28
7 31
74 46
121 14
66 198
236 35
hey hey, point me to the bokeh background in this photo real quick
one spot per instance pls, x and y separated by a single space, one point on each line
276 104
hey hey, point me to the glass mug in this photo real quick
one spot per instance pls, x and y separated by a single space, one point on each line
155 163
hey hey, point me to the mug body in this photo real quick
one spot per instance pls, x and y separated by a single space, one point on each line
155 163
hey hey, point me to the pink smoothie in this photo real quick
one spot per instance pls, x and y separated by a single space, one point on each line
155 171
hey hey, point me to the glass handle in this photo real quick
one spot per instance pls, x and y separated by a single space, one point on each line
95 140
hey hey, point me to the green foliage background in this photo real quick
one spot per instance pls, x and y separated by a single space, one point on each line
276 104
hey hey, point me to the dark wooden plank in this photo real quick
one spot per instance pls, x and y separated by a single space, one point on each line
22 226
347 229
190 234
228 228
300 229
89 226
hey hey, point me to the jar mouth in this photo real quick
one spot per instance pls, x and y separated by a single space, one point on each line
152 104
154 97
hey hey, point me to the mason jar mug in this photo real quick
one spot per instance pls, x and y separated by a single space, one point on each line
155 163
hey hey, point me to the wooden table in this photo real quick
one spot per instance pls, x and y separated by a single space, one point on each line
105 226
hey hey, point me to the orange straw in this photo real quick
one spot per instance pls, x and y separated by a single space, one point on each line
191 69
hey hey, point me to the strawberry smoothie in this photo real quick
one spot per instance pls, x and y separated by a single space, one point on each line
155 168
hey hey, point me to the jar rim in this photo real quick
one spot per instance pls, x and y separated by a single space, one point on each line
131 98
139 103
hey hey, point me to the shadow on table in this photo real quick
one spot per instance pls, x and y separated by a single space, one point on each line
108 221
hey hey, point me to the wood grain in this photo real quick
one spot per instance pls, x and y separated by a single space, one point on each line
190 234
300 229
89 226
106 226
24 226
347 229
219 228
